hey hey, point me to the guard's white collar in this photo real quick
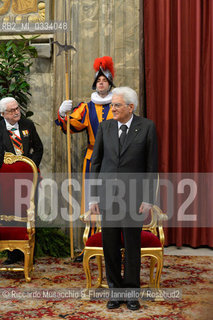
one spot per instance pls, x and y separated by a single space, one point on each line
99 100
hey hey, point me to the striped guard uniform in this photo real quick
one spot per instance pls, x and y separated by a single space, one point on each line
86 116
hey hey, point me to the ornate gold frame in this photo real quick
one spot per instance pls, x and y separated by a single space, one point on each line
26 246
16 12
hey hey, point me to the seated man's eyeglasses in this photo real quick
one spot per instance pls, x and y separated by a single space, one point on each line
11 111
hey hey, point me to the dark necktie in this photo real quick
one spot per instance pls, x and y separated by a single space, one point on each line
123 135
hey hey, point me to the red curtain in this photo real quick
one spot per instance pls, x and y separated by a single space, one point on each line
178 53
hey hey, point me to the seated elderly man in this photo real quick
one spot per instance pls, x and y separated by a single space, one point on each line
19 136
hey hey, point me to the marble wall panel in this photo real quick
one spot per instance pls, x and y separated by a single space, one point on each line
41 81
19 11
98 28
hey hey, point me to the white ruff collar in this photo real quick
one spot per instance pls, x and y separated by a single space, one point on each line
99 100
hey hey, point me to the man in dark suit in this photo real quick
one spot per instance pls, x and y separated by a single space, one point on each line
18 136
125 150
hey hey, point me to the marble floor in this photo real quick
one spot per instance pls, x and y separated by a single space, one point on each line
188 251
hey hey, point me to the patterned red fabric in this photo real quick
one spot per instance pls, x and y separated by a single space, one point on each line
12 175
13 233
10 199
148 240
95 240
17 167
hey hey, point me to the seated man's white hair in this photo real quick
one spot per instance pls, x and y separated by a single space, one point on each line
4 102
129 95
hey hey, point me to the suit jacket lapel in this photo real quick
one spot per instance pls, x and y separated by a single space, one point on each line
113 134
133 131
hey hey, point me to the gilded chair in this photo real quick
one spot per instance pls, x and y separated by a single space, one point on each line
152 245
18 180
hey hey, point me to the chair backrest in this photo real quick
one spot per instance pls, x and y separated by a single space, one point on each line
18 180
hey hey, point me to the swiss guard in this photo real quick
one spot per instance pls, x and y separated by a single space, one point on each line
87 116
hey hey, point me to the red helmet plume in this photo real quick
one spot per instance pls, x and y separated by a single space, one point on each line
106 63
104 66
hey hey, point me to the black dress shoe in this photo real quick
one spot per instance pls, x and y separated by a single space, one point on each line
79 258
14 257
113 304
8 262
133 305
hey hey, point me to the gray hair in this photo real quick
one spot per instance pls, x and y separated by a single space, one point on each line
129 95
4 102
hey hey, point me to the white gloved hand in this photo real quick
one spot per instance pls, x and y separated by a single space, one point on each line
65 107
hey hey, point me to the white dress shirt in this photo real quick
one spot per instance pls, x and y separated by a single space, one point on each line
14 126
128 124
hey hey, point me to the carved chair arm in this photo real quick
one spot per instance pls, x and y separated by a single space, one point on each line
161 216
91 221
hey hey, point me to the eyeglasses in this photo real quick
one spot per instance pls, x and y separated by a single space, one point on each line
117 105
12 111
